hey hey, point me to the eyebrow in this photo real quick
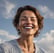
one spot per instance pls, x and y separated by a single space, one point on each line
26 17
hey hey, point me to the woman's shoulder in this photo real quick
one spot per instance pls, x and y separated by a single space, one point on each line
8 46
39 49
8 43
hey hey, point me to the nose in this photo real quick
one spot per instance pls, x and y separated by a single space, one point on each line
29 21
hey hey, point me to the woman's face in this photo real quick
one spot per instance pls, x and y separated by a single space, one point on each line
28 24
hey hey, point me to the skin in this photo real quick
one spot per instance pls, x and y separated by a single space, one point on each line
27 19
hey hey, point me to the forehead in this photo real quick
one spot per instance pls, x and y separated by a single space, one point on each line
28 13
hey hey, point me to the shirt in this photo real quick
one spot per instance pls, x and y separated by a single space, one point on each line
13 47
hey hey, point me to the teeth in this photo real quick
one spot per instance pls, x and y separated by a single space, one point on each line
28 27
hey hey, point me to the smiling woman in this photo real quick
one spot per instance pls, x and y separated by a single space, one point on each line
36 15
28 23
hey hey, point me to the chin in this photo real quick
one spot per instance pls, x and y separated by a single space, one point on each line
28 34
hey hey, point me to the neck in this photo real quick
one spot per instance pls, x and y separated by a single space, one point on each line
27 42
26 39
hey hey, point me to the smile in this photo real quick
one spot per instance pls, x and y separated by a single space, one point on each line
28 27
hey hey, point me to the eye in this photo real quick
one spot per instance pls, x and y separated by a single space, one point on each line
33 19
23 18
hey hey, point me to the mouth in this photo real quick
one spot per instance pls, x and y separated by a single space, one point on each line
28 27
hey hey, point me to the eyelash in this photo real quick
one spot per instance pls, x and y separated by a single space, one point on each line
26 19
32 19
23 19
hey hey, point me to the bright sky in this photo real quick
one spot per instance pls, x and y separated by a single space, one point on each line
8 9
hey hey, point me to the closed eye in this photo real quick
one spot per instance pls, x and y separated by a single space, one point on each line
33 18
23 18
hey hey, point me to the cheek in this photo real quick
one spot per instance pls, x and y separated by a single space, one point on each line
21 23
36 23
36 26
20 26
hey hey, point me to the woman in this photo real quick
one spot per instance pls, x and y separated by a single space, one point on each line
28 23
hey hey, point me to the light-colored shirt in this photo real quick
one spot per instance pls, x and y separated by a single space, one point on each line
13 47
